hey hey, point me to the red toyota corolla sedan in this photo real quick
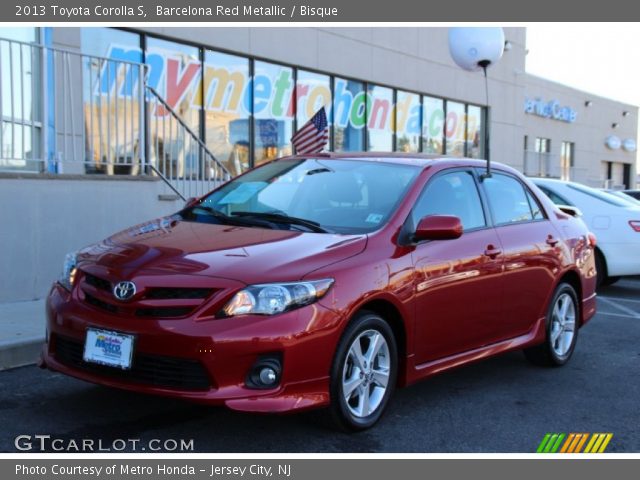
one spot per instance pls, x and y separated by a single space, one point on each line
326 280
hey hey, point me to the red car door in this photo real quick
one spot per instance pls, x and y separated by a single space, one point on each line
531 252
457 282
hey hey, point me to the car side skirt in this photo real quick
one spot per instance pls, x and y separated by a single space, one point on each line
534 337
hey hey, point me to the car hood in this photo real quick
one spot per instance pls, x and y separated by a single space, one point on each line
250 255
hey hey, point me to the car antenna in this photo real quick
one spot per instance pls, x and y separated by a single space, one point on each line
484 64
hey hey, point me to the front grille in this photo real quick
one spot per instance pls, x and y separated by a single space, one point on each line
163 293
160 371
163 312
97 282
162 296
96 302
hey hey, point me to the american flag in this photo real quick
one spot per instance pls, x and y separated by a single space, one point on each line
313 136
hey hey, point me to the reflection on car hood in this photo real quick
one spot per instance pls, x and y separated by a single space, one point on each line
250 255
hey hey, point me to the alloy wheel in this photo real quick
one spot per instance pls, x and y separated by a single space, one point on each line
365 376
563 324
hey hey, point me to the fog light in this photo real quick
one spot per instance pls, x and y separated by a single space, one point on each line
268 376
265 372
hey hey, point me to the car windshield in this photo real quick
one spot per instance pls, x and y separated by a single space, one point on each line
314 194
624 197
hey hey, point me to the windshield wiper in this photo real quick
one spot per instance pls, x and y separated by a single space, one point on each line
226 219
212 211
286 219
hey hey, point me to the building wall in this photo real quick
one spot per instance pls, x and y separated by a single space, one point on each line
416 59
593 124
45 218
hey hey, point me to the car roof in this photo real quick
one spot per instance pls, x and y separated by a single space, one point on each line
417 159
550 180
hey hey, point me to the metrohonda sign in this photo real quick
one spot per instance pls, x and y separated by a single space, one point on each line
549 109
228 89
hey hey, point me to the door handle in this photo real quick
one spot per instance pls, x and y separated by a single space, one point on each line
551 240
492 252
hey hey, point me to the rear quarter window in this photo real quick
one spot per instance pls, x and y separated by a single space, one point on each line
554 197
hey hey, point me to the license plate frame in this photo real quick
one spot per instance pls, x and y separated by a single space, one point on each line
108 347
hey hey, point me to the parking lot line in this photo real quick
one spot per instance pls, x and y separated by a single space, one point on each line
622 308
611 314
619 299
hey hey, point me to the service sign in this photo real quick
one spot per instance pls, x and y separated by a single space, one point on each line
549 109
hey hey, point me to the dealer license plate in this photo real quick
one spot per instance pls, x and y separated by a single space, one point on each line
108 348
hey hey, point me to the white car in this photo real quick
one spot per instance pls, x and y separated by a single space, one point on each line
614 221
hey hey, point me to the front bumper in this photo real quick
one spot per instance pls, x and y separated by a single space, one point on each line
223 350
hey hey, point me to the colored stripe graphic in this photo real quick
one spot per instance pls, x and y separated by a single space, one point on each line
598 442
543 443
571 440
578 448
552 442
592 440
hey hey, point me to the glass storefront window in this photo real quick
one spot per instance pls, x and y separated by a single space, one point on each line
433 125
110 98
313 91
20 122
474 132
220 99
408 122
273 111
227 105
349 115
455 129
175 71
380 119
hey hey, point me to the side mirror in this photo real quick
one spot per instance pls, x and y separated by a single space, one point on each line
438 227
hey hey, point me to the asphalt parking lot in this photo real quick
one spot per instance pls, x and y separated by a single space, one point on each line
501 405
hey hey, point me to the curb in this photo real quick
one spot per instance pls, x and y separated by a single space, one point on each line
20 353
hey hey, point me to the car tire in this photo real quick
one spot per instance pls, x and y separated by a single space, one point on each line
561 328
602 277
365 363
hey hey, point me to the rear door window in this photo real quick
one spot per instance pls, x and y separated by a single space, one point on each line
509 200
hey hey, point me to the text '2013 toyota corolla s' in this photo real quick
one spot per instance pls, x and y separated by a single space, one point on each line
326 281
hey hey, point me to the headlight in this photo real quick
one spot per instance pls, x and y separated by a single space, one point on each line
273 298
69 271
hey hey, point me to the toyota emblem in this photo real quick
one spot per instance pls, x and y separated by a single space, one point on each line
124 290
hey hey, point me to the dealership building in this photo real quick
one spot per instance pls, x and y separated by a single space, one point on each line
104 127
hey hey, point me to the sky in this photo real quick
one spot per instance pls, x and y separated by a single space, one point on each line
600 58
